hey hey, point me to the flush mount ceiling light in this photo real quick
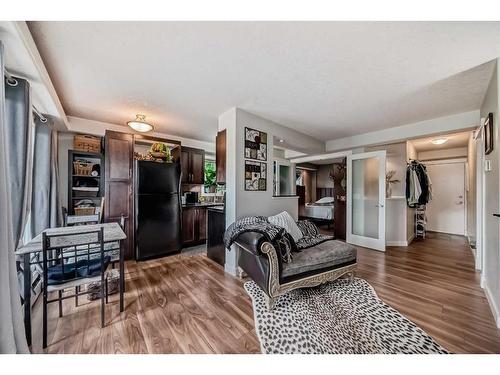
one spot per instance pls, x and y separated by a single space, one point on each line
140 124
439 141
282 140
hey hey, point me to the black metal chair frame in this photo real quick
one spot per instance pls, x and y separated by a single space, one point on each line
62 254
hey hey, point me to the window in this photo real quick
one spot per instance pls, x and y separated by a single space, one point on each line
210 176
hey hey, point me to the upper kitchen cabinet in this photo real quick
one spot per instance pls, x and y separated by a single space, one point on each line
220 156
193 165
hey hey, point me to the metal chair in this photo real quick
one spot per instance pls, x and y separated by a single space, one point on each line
70 261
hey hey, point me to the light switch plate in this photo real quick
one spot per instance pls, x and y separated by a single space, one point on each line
487 165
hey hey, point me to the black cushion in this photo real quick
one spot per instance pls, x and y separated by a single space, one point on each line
84 268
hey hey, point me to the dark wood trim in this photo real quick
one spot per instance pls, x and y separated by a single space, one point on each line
138 137
220 156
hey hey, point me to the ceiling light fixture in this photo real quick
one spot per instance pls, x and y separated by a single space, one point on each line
439 141
282 140
140 124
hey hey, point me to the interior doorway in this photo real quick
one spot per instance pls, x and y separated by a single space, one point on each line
450 161
321 184
446 212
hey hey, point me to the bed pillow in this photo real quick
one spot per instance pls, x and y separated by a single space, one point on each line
285 220
325 200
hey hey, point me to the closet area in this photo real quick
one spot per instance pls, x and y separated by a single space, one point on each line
440 185
418 194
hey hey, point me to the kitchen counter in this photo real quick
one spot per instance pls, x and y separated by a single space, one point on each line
204 204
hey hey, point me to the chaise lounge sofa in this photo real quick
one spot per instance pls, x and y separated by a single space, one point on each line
318 259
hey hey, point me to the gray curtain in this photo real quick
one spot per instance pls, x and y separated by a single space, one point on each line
14 165
44 203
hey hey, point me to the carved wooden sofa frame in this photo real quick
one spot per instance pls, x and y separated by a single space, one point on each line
260 260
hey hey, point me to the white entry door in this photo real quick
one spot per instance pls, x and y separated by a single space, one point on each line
446 212
366 200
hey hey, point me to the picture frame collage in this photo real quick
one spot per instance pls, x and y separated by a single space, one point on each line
256 168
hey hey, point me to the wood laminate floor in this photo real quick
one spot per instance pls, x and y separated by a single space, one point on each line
187 304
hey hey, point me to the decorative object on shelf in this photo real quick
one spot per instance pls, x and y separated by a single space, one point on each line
388 182
96 170
140 124
488 134
255 176
160 152
82 167
331 175
86 143
139 156
85 207
255 144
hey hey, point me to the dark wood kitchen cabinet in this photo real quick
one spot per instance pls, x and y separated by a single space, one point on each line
193 165
119 199
220 156
215 240
194 225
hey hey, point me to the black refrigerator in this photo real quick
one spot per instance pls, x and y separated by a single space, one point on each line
158 209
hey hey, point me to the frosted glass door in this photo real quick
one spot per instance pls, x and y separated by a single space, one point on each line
366 200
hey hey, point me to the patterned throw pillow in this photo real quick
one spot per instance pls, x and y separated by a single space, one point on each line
285 220
308 228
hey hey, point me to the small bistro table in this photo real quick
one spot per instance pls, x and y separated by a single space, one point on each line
112 233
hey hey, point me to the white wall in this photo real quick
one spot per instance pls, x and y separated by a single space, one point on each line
491 248
447 153
440 125
323 176
241 203
395 208
81 125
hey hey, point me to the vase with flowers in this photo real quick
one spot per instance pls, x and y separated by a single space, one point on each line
389 181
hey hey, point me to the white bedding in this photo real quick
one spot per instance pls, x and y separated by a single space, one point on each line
315 211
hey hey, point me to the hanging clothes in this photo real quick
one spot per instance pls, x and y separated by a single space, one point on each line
418 185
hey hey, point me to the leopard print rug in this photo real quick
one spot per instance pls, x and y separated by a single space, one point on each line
341 317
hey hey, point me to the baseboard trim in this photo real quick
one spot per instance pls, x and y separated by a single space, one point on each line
495 310
410 240
396 243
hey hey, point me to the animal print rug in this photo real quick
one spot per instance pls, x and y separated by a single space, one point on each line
340 317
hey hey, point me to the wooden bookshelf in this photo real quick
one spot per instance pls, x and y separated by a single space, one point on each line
78 180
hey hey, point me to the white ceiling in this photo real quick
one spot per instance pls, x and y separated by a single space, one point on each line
453 141
326 79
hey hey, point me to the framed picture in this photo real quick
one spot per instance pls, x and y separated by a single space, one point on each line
255 144
255 176
488 134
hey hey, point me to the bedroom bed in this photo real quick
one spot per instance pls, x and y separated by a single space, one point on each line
320 211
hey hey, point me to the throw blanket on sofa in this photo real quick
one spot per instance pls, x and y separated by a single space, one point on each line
311 236
277 236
